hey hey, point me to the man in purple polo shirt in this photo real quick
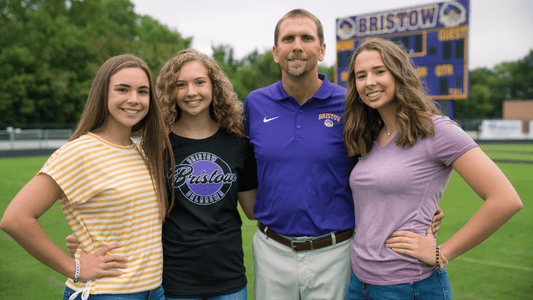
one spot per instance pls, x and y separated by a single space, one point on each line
304 205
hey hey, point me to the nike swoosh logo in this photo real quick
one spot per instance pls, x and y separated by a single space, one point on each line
265 120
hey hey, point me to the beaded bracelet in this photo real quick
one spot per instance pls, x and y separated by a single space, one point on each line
77 273
438 255
441 260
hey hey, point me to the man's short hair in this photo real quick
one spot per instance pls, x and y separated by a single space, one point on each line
300 13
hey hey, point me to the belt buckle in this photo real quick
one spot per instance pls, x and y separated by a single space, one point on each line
294 242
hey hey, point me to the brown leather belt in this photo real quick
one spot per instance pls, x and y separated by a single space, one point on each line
299 244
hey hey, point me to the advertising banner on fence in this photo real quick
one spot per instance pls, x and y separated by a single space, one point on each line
501 129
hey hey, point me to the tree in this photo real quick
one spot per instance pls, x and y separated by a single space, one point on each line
263 72
517 78
479 103
41 63
50 51
328 71
489 88
252 72
156 43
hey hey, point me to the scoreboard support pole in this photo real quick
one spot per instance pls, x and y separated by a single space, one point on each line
446 107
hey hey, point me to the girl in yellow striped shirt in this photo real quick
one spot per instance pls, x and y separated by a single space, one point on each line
108 187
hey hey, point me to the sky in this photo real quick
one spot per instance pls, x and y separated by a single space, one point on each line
499 30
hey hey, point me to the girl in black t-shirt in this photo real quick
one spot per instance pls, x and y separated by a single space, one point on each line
215 168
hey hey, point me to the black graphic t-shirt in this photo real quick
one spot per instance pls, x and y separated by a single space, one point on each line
202 243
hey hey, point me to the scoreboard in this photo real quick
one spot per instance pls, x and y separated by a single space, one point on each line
435 36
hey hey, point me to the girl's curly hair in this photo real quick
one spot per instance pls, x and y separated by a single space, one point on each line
414 108
225 107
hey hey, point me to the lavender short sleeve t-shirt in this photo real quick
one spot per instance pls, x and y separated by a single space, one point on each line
396 188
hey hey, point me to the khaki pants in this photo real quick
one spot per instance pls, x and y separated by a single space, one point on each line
281 273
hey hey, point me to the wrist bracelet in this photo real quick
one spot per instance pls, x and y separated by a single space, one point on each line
441 260
77 273
438 255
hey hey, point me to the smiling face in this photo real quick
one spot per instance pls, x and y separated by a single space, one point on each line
298 49
374 82
194 89
128 99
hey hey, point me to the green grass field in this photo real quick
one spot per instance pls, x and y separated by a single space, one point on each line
499 268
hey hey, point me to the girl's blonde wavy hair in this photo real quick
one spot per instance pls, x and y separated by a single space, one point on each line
414 108
225 107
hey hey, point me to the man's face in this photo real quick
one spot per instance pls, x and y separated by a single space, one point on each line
298 50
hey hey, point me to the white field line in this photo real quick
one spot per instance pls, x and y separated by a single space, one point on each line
493 263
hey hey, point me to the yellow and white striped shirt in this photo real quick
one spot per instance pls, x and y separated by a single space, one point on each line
110 198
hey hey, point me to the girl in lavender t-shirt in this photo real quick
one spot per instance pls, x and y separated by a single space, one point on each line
408 152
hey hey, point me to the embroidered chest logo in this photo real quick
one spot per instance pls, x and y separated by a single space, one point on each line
266 120
203 178
329 119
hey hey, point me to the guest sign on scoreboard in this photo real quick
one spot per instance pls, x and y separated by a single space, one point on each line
435 36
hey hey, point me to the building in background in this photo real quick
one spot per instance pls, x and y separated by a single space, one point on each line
519 110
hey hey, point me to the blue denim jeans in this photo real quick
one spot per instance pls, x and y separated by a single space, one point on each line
155 294
435 287
240 295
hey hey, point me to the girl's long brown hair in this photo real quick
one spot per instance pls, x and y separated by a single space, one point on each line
151 129
414 108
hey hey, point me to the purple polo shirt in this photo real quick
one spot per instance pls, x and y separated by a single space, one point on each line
303 165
